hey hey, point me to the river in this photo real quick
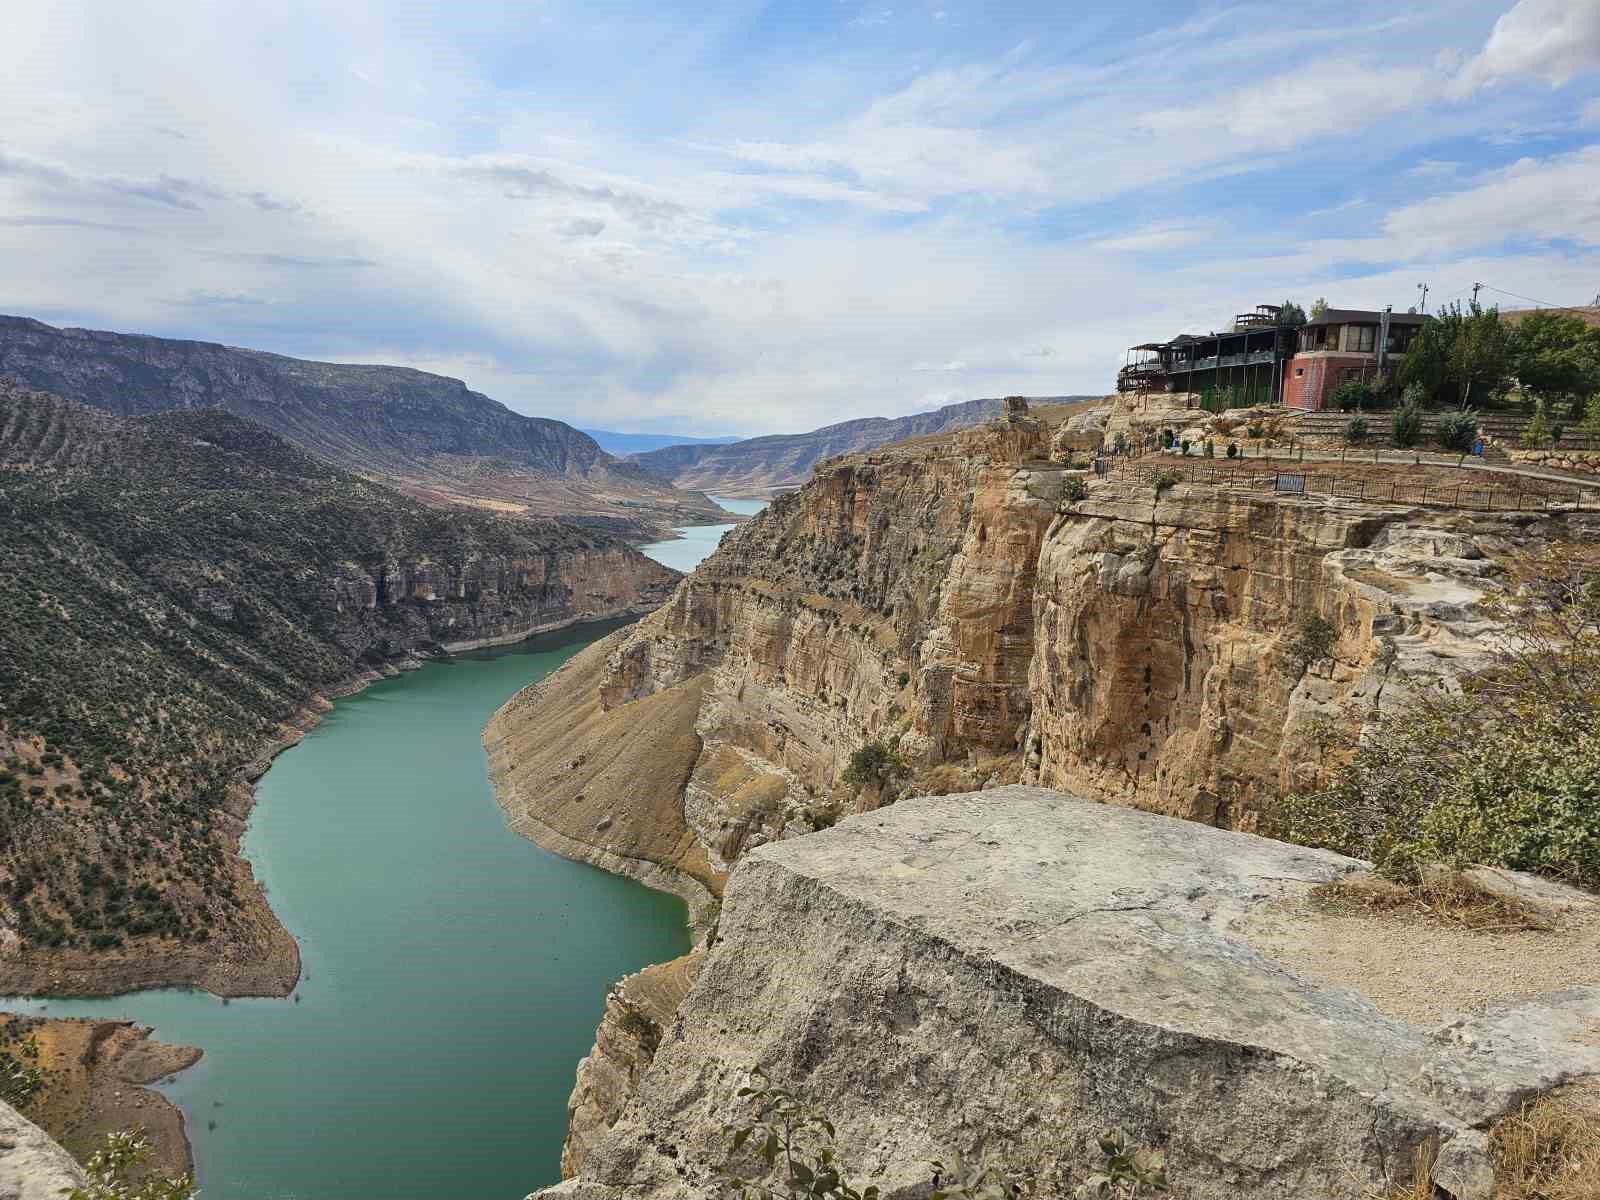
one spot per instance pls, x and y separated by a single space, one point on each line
454 972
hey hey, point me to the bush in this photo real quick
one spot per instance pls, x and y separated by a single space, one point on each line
1233 449
1186 443
1119 444
1165 479
1407 422
1355 429
1255 429
1074 489
874 765
1210 449
1168 438
109 1169
1314 639
1457 430
1504 773
1536 433
1353 395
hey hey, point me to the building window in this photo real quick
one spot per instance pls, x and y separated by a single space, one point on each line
1361 338
1299 371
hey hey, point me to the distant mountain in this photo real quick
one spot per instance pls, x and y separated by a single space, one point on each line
427 434
637 443
759 466
178 590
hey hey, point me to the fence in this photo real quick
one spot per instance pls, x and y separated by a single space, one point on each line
1475 497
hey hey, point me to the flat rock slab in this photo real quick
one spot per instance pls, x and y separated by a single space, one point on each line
32 1167
1018 969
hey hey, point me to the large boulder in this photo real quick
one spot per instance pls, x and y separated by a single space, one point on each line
32 1167
1018 969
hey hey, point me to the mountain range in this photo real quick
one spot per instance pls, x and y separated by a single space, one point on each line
760 466
428 435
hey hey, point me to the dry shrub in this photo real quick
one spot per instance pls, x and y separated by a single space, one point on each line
1446 898
1550 1148
1421 1185
950 778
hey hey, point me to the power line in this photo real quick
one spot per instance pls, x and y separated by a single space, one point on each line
1529 299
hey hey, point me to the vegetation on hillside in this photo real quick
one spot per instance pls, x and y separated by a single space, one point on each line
1504 771
1471 356
172 589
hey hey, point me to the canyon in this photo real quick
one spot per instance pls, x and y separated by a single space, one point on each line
427 435
980 604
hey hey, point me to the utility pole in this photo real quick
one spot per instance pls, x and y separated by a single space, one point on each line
1475 288
1423 288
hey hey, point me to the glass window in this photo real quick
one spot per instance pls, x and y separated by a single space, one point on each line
1361 338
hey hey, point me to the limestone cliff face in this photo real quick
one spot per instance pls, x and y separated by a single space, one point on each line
32 1167
949 596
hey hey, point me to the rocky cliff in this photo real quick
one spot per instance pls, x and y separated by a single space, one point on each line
430 435
1011 972
761 466
32 1167
979 604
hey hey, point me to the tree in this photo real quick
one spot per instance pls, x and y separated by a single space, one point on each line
1318 307
1426 364
1555 358
1478 357
1291 314
875 764
1407 424
1537 432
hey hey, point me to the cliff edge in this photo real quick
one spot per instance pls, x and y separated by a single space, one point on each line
1061 966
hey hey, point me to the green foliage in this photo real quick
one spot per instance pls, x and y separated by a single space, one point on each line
1355 429
1555 357
1406 424
1119 443
1318 307
1233 449
1478 361
1255 429
1505 772
1291 314
109 1167
1184 447
1537 433
1313 639
1130 1171
1353 395
874 765
19 1082
1074 489
1168 439
1164 480
1457 430
1591 417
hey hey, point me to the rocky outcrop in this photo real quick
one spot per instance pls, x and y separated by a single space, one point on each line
638 1012
1061 966
32 1167
994 614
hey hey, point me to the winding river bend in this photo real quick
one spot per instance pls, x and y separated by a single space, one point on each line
454 972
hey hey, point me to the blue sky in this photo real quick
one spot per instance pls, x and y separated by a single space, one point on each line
747 218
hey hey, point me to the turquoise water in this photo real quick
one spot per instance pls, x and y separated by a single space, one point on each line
699 540
454 972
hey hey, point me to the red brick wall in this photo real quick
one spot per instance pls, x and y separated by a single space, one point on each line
1321 375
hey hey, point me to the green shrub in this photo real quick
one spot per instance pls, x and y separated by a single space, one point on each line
1314 639
119 1157
874 765
1458 429
1255 429
1165 479
1074 489
1233 449
1504 773
1353 395
1355 429
1536 433
1210 450
1406 425
1168 438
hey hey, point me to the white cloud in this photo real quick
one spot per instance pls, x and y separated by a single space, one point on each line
1552 40
1546 199
1433 168
1152 238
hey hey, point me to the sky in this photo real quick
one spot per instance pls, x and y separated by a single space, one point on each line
734 217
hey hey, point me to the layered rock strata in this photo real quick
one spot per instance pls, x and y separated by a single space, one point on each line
1018 969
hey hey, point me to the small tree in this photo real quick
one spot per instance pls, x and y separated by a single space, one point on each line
1406 425
1591 417
1458 429
1318 307
1073 490
1233 449
1536 433
874 765
1355 429
1478 359
1353 395
1291 314
108 1169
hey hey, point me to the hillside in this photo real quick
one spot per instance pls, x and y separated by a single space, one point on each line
429 435
613 442
178 592
760 466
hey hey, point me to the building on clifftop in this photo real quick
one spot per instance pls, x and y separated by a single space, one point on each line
1342 344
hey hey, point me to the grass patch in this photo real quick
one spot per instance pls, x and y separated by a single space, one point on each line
1447 899
1550 1148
